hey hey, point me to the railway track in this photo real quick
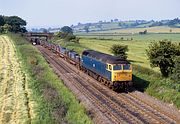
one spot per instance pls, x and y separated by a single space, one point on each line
118 108
68 76
156 108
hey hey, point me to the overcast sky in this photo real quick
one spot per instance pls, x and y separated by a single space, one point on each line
66 12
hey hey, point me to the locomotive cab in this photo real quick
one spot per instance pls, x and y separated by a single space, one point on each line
122 72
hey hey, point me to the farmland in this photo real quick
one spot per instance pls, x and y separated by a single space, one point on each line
157 29
137 44
145 78
15 106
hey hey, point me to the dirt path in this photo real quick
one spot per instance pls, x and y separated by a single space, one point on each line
14 101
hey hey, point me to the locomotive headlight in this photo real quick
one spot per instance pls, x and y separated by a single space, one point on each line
115 76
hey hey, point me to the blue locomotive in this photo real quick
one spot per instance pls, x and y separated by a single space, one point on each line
111 71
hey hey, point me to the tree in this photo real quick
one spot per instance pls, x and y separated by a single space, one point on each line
15 22
23 30
174 22
2 22
67 29
68 37
161 54
1 29
86 28
6 28
144 32
44 30
119 50
176 71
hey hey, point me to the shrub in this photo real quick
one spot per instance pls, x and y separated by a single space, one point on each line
68 37
119 50
144 32
161 54
176 71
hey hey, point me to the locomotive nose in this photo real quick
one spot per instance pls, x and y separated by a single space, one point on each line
122 76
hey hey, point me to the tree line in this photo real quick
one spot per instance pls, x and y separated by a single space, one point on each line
12 23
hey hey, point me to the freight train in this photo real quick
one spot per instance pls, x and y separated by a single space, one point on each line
114 72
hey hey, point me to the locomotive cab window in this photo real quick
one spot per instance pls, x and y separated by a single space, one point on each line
126 67
117 67
110 67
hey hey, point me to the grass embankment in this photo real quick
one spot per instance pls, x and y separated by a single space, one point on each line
145 79
55 103
15 105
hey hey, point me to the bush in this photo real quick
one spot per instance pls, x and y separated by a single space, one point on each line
161 54
68 37
176 71
119 50
144 32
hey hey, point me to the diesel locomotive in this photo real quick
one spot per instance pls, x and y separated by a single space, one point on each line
112 71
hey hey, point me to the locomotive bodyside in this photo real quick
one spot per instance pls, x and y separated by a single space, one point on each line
96 66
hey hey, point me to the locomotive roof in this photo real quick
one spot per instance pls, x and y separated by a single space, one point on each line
105 57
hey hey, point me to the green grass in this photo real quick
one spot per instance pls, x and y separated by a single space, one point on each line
137 46
145 78
157 29
55 103
136 53
152 83
136 37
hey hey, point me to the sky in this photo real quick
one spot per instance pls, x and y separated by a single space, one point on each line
53 13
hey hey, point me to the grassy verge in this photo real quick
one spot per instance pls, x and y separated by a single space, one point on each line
145 79
55 103
154 84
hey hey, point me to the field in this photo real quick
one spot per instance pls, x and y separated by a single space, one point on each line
145 78
133 37
15 106
137 44
157 29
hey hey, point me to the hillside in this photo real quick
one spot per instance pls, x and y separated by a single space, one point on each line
115 24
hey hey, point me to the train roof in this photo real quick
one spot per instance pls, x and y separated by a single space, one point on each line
106 58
